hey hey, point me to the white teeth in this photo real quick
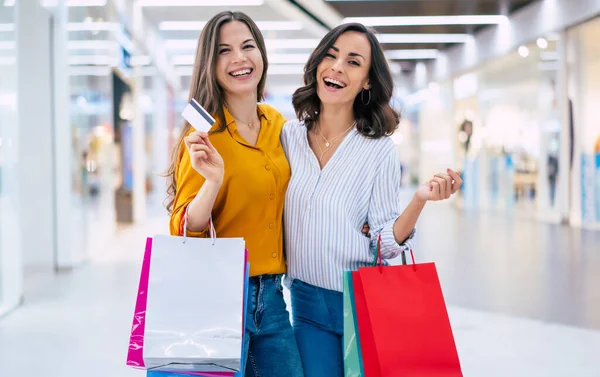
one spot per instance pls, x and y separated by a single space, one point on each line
241 72
334 81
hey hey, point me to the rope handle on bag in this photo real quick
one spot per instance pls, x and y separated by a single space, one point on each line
183 227
378 261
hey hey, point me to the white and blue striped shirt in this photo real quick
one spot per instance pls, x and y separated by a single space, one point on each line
325 209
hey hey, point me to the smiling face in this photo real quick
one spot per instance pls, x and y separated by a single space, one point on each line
240 65
344 71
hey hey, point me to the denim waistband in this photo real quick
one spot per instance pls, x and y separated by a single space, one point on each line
266 277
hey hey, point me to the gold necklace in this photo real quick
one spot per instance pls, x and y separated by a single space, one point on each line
249 124
328 143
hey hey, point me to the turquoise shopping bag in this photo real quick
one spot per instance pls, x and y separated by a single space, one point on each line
352 353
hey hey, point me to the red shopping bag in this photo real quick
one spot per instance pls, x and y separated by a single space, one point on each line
403 322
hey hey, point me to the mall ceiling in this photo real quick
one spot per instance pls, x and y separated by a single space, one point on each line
410 30
423 25
414 8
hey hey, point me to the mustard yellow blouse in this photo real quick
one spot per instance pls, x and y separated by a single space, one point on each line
250 202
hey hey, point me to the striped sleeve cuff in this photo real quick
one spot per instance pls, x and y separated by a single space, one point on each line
390 249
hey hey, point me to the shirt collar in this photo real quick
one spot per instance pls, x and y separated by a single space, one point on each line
230 120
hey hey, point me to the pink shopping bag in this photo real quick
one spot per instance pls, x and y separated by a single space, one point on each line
135 354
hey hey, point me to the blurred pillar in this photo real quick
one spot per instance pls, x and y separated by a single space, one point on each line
139 134
34 137
139 150
160 137
69 213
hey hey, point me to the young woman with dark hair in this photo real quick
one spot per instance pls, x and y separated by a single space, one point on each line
345 171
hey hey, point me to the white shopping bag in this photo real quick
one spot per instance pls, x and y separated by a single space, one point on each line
194 314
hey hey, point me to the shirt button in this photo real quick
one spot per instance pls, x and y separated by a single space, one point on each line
267 167
274 255
271 225
271 196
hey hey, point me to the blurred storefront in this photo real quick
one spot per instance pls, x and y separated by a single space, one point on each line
121 114
583 62
85 122
523 100
517 143
507 130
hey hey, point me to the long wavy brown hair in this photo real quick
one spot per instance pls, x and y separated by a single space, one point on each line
374 117
206 89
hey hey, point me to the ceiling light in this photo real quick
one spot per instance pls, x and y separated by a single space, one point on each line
9 3
273 59
198 3
524 51
183 60
91 45
93 60
192 44
291 43
428 20
92 26
542 43
85 3
198 25
275 69
279 25
75 3
424 38
182 25
181 44
288 58
411 54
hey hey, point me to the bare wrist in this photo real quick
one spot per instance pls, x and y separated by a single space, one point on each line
418 201
214 183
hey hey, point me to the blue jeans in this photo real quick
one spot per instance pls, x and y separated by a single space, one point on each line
269 338
318 317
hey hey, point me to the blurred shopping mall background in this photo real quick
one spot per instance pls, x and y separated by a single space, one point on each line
505 91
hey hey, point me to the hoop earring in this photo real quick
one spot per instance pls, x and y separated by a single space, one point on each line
362 97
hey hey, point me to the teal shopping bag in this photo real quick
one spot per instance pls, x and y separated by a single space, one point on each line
352 353
353 364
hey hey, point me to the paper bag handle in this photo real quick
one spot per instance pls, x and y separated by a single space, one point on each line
213 233
379 260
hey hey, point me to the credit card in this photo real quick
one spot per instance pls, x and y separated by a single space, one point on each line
197 116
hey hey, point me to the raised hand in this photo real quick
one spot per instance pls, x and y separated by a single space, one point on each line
205 159
442 186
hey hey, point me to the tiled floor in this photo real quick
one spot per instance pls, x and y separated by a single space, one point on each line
524 301
517 267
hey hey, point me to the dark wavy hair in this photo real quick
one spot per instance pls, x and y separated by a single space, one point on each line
206 89
374 118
